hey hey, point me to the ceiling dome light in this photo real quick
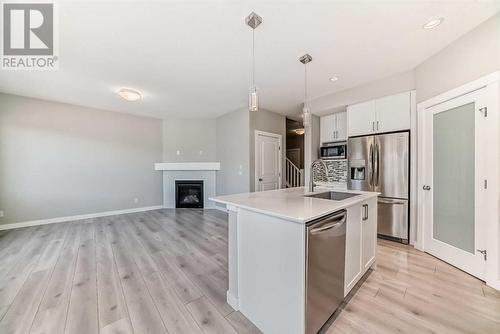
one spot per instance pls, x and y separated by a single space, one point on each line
130 94
300 131
334 78
433 23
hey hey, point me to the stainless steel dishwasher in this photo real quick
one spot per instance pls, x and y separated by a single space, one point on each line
325 264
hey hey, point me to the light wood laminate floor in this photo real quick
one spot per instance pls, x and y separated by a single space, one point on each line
165 271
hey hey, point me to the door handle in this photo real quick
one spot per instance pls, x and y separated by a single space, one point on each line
426 187
390 202
370 166
376 164
328 227
365 213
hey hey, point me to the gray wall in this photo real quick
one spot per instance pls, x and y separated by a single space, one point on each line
473 55
194 138
61 160
267 121
233 152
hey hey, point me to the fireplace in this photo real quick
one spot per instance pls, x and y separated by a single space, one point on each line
189 194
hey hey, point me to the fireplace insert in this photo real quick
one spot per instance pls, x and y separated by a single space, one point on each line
189 193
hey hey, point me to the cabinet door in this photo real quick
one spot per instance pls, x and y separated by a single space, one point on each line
353 265
361 119
341 125
393 113
327 128
369 233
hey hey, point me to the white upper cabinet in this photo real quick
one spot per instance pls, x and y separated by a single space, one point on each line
333 127
341 125
361 119
387 114
326 128
393 112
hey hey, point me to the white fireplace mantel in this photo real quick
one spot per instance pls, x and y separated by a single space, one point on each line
187 166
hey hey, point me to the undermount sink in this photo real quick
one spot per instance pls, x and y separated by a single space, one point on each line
333 195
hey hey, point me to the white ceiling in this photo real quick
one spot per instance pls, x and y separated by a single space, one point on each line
192 58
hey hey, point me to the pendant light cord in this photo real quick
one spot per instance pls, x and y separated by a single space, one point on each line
305 84
253 58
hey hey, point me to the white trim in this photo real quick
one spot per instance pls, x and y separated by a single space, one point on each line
187 166
232 301
462 90
219 207
413 168
280 167
78 217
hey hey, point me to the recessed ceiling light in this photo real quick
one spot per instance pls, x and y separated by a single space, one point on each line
433 23
334 78
130 94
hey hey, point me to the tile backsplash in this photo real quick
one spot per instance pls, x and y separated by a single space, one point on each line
336 171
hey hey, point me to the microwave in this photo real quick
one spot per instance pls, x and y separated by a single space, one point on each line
333 150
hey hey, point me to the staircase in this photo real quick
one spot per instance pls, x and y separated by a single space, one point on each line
294 177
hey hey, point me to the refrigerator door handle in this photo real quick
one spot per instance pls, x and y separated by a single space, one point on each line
376 165
370 166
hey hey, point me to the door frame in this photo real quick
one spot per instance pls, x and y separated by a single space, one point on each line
492 101
257 160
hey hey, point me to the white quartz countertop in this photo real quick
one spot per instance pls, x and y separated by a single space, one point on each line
291 203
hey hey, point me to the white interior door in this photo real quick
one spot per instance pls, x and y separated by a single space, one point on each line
267 161
454 195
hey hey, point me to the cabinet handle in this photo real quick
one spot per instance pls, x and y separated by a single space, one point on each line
377 125
365 213
373 125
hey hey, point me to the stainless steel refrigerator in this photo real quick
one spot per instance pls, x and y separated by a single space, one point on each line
381 163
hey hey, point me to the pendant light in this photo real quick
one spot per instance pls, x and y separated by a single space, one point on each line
253 21
306 113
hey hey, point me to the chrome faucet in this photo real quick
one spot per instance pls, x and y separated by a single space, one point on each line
311 178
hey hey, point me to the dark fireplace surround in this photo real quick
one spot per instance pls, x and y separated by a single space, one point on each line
189 193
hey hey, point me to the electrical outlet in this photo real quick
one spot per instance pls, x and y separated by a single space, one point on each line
1 214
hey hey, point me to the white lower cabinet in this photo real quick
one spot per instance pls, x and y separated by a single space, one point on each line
369 234
361 241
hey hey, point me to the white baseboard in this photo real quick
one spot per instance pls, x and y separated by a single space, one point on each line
232 301
495 284
220 208
78 217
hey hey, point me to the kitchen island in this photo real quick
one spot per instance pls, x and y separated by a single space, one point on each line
284 273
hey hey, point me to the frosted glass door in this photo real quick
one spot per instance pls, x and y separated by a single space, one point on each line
453 177
453 193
